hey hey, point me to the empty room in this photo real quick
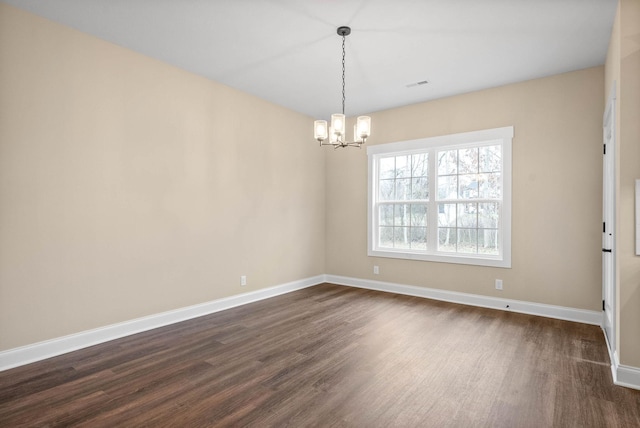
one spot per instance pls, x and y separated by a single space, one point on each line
191 234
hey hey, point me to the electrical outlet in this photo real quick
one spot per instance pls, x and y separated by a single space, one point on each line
243 280
498 284
376 270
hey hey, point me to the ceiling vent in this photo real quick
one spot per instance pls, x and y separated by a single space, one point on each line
420 83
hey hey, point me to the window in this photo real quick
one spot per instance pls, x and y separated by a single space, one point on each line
443 199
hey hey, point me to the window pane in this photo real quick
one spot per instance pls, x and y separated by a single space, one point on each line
447 239
419 165
491 186
420 188
447 215
448 187
388 167
403 166
467 240
418 215
402 215
484 186
386 237
447 162
403 189
468 186
488 215
488 241
401 237
468 161
385 215
490 159
467 215
387 190
419 238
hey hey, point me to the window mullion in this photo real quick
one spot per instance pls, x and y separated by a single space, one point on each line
432 206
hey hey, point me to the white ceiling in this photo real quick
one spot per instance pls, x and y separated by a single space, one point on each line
288 52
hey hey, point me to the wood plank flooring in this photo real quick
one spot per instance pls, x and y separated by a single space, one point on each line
332 356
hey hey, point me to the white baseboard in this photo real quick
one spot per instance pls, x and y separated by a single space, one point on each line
622 375
61 345
626 376
549 311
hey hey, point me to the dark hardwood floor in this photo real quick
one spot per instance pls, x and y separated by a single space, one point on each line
332 356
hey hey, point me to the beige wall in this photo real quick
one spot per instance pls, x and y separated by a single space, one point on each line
629 171
557 185
129 187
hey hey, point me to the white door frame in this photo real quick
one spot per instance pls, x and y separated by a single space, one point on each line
609 308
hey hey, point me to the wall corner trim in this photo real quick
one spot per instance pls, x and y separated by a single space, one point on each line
61 345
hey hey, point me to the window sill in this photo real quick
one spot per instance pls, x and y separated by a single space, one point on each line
469 259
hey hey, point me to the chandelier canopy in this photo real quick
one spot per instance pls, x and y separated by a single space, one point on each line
336 134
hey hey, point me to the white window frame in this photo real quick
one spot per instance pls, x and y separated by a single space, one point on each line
503 137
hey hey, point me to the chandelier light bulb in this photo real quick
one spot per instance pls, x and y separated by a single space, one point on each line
320 130
338 124
333 138
364 126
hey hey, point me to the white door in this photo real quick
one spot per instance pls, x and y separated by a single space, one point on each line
608 223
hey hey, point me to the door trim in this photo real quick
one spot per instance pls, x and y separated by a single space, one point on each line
609 294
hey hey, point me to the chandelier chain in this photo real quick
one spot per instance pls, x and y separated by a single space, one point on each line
343 83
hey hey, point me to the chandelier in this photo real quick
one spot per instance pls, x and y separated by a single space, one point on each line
336 134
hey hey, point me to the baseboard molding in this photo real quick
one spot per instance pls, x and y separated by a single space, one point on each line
50 348
613 356
622 375
549 311
627 376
